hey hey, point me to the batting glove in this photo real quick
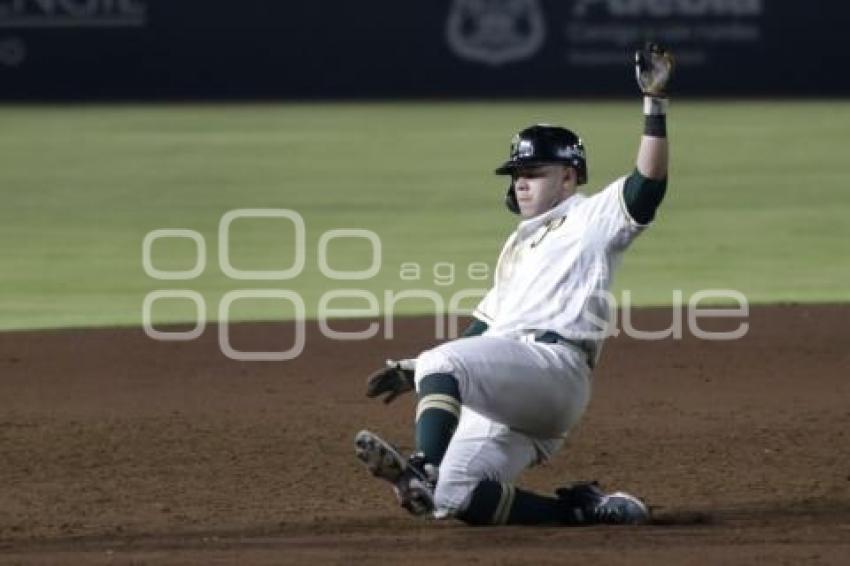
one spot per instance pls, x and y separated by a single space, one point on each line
653 68
395 379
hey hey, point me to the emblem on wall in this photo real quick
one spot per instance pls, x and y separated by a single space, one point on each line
495 31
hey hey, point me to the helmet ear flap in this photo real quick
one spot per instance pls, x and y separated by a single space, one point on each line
510 199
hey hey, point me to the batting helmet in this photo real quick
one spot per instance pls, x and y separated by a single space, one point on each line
540 145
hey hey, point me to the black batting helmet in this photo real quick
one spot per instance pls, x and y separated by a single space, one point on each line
540 145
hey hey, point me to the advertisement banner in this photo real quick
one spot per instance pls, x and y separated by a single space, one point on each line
205 49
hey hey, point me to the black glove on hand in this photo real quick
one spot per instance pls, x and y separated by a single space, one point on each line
395 379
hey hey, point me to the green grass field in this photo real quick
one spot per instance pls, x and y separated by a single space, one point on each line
756 203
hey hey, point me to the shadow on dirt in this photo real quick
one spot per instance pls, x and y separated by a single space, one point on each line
681 518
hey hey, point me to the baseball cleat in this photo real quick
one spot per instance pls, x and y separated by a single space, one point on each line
586 504
412 480
415 488
621 508
379 456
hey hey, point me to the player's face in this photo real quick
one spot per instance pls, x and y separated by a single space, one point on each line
542 187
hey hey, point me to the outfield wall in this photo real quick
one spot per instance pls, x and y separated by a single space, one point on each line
208 49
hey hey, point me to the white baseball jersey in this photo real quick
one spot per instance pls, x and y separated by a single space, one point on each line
555 270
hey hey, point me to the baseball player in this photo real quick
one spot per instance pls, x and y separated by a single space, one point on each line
503 397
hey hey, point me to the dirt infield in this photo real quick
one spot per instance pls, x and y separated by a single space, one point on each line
116 448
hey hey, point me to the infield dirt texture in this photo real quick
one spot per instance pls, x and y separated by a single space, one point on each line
120 449
116 448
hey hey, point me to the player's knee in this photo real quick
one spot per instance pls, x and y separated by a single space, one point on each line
473 501
452 496
431 362
440 386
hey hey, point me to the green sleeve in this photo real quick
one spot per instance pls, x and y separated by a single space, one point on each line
643 196
475 328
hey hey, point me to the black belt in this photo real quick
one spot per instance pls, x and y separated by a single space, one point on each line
550 337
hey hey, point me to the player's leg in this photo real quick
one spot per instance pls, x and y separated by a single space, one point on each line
539 389
501 503
477 475
437 414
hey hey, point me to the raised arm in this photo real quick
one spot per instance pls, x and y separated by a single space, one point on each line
645 188
653 154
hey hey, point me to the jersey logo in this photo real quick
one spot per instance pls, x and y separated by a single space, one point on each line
495 31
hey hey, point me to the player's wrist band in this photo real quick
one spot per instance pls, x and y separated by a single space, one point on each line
654 105
655 111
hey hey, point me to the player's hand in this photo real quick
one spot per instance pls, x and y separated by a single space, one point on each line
653 68
395 379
